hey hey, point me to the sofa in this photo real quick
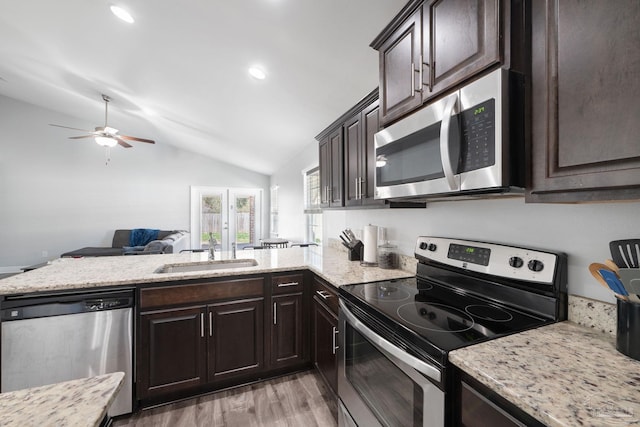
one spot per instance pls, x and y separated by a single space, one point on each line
139 241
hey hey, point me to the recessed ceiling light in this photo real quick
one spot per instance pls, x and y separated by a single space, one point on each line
122 14
257 73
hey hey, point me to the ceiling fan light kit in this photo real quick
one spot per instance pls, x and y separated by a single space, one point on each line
106 136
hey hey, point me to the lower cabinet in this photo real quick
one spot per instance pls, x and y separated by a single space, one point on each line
325 332
477 406
171 352
235 339
198 336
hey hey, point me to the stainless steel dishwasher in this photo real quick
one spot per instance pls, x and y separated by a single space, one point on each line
52 338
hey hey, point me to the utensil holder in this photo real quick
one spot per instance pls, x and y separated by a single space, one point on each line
355 253
628 329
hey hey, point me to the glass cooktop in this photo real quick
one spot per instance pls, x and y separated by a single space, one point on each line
442 318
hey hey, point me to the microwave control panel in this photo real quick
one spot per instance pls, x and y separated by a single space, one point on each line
478 147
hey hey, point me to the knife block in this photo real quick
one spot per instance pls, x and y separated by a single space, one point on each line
355 253
628 329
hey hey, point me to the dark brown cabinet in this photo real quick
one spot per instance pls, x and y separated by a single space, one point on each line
235 341
288 325
172 346
585 101
189 340
359 158
325 332
331 173
432 46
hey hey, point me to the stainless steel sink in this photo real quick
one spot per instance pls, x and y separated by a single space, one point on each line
207 265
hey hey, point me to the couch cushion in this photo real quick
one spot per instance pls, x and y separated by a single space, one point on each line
121 238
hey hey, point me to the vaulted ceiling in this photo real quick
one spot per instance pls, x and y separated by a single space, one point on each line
179 73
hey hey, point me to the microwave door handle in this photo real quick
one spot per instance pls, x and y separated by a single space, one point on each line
445 152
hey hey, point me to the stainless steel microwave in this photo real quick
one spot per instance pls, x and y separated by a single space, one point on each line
469 142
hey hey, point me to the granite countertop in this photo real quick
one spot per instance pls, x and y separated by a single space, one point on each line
93 272
562 374
76 403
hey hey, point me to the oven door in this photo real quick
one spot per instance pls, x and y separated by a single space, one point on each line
380 384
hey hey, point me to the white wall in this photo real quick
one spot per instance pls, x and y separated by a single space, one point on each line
57 195
291 192
583 231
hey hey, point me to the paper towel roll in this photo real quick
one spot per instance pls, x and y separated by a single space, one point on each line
370 241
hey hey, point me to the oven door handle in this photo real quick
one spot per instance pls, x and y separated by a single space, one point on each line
445 147
417 364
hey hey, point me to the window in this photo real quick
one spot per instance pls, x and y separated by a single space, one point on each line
313 213
274 211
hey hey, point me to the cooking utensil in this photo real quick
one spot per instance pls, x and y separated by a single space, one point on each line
352 236
344 242
613 282
626 253
630 278
594 269
612 266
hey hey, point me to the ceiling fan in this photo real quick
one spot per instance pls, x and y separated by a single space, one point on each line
105 135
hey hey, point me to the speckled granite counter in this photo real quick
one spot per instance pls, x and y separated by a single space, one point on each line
75 403
562 374
85 273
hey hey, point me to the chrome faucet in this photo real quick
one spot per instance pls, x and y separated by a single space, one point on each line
233 250
212 246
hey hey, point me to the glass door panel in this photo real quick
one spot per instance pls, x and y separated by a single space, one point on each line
245 208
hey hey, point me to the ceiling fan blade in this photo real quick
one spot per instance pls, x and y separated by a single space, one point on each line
67 127
82 136
133 138
122 142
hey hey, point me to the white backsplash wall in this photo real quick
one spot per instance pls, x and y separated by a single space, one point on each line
583 231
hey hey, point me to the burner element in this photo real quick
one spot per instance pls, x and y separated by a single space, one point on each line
384 292
488 312
435 317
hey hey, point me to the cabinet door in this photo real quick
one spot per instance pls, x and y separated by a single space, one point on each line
236 339
171 351
353 154
370 126
325 172
336 156
287 331
399 69
325 335
460 38
585 101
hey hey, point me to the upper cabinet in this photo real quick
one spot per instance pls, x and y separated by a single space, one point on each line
585 101
432 46
331 173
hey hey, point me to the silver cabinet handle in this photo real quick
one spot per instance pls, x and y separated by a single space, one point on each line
445 152
360 184
335 334
356 182
202 325
210 324
275 314
324 294
413 78
284 285
420 75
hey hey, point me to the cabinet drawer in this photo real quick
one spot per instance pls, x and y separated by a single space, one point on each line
326 293
287 284
201 292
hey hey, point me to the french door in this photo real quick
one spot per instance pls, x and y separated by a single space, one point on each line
229 215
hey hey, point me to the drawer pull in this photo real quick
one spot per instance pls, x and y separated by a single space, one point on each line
324 294
284 285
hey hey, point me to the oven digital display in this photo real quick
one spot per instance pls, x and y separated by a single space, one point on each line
471 254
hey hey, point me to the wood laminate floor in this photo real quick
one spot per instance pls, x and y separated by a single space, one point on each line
300 399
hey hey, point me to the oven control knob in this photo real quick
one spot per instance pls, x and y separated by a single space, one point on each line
516 262
535 265
423 246
431 247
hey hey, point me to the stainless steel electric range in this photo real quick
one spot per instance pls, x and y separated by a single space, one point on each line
395 335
